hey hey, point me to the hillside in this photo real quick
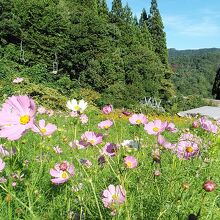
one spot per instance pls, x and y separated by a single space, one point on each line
195 70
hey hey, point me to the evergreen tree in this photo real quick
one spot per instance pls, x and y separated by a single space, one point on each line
117 11
156 27
143 18
216 86
103 8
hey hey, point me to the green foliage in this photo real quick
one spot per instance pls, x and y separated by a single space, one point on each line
106 52
195 71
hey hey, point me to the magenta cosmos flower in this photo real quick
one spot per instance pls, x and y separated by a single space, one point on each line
138 119
105 124
209 186
16 117
91 138
187 149
43 129
130 162
62 172
113 196
107 109
110 149
156 127
2 165
208 125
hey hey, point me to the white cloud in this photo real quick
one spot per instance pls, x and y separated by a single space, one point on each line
182 25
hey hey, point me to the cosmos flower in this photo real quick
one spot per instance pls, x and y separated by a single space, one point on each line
83 118
76 106
130 162
107 109
77 144
61 172
113 196
171 127
41 110
105 124
110 149
163 142
50 112
138 119
208 125
156 127
187 149
2 165
3 151
86 162
91 138
57 150
209 186
43 129
16 117
18 80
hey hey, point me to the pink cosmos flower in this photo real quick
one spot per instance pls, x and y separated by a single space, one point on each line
57 150
91 138
62 172
83 118
126 113
3 180
3 151
163 142
2 165
74 114
171 127
130 162
50 112
43 129
18 80
110 149
16 117
41 110
101 160
113 196
138 119
187 149
105 124
156 127
77 144
107 109
208 125
86 162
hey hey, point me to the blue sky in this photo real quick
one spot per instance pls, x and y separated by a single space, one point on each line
189 24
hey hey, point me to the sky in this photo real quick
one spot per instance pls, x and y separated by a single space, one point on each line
189 24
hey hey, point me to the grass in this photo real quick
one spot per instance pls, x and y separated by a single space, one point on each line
147 196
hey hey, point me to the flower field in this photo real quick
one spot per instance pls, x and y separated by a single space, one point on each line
89 163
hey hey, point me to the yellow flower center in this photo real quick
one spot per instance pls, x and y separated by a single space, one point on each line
156 129
114 196
129 164
106 127
64 175
24 119
77 108
43 130
189 149
92 142
138 121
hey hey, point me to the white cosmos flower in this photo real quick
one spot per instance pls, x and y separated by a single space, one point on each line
82 105
75 106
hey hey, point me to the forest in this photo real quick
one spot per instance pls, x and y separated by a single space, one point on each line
195 71
75 45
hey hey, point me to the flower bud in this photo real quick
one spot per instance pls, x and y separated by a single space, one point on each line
209 186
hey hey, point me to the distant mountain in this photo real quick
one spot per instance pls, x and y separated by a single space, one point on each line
195 70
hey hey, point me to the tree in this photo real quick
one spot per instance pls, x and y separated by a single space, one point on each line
216 86
143 19
156 27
